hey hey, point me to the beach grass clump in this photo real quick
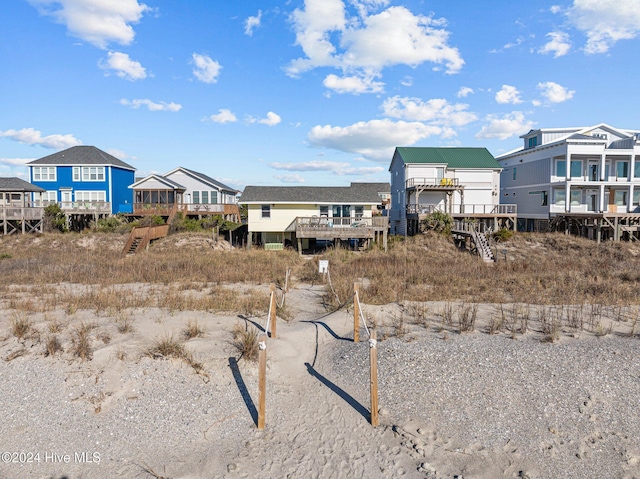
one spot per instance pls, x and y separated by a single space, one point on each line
81 341
193 330
52 346
245 341
467 314
20 326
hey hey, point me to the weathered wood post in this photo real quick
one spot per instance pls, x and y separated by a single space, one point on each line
356 312
272 310
262 379
373 363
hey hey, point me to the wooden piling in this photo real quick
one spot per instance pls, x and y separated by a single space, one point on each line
373 367
272 311
262 379
356 312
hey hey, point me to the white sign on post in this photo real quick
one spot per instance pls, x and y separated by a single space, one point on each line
323 266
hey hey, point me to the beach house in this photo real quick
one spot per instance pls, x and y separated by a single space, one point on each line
83 179
586 179
461 182
302 216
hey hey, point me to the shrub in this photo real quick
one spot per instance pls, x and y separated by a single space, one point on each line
54 218
503 235
439 222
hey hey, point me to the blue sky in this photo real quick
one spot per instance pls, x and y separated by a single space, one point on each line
315 92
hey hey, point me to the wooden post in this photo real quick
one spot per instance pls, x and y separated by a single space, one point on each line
262 379
272 310
356 313
373 366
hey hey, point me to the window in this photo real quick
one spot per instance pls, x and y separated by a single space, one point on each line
92 196
324 210
533 142
561 168
622 169
636 197
576 197
359 211
620 198
49 197
545 198
88 173
205 197
559 197
576 168
515 170
214 197
196 197
636 168
266 211
44 173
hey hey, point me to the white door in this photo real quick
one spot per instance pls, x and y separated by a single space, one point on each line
66 197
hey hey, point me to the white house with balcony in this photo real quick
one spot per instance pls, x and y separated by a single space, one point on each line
590 175
462 182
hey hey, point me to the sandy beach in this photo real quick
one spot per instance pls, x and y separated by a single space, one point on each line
452 405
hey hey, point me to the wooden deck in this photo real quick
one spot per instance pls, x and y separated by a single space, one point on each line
225 210
339 228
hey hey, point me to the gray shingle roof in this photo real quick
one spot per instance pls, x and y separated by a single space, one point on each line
207 179
356 193
16 184
170 183
81 155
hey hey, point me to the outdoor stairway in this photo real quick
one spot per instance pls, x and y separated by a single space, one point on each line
141 237
482 245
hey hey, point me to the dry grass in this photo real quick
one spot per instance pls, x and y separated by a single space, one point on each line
20 326
52 346
245 340
540 269
81 341
193 330
167 347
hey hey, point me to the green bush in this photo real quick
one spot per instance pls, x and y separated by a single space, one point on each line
113 224
503 235
54 218
438 222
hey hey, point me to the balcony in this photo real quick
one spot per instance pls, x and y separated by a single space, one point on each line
465 210
165 209
85 207
433 183
338 227
9 212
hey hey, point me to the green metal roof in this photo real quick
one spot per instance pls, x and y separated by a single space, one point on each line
452 157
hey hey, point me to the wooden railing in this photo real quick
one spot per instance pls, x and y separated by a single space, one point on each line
338 227
85 207
433 182
142 236
507 210
143 209
21 212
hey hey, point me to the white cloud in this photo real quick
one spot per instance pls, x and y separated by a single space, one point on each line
121 155
123 66
367 43
272 119
98 22
555 9
295 178
437 110
353 84
252 23
407 81
224 116
555 93
505 127
335 167
465 91
605 22
15 161
30 136
206 70
558 44
310 166
375 139
508 94
151 105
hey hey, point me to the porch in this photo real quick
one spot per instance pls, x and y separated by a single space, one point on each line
502 216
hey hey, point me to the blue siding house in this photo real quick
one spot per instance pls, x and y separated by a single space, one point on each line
83 177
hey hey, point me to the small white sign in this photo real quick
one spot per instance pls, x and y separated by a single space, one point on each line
323 266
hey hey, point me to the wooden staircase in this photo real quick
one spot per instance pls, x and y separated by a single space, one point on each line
482 245
141 237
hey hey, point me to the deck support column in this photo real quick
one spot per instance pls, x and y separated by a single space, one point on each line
249 239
